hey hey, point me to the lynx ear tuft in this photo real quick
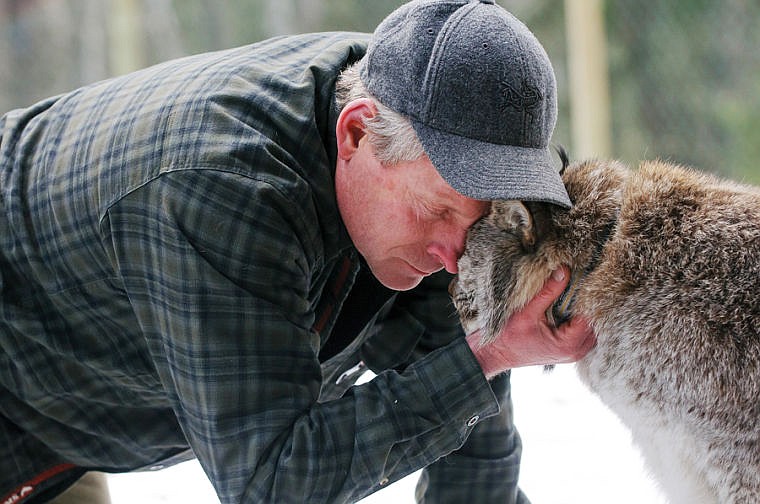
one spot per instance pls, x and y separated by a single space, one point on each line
563 157
515 217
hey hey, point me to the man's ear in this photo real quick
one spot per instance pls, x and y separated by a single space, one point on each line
350 126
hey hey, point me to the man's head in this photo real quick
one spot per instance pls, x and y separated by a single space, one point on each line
402 216
453 105
479 91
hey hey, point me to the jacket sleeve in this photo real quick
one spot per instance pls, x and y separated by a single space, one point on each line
486 468
218 268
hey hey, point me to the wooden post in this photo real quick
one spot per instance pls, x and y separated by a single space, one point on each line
589 80
126 47
281 17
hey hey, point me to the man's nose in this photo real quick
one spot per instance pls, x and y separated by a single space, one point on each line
445 256
449 251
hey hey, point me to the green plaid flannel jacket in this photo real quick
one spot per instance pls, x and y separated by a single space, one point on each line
174 277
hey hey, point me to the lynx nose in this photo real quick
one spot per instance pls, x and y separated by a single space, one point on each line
453 286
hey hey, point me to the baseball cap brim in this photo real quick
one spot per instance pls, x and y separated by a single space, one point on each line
488 171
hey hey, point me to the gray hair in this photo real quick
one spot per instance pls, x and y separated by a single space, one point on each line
390 133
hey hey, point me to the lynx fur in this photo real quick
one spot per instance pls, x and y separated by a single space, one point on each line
665 266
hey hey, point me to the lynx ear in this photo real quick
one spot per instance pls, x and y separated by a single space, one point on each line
515 217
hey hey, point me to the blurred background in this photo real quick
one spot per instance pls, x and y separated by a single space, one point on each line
675 79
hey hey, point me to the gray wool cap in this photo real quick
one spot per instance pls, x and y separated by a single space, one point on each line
480 92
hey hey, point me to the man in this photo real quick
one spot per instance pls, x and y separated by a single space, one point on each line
200 258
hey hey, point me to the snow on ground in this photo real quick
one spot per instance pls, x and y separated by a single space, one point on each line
574 451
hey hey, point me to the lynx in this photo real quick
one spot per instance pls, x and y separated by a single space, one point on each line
665 266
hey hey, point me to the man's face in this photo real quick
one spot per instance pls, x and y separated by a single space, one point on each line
404 219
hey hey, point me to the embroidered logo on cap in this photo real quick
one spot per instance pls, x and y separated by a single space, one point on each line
526 98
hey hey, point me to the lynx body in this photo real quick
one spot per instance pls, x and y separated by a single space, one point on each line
665 266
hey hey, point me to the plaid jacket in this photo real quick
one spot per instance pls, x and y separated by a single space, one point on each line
174 282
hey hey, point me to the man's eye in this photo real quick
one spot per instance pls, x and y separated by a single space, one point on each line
441 213
433 212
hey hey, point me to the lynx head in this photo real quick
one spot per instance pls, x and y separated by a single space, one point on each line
491 283
511 252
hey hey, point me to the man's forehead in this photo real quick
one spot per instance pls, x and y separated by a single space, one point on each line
466 206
